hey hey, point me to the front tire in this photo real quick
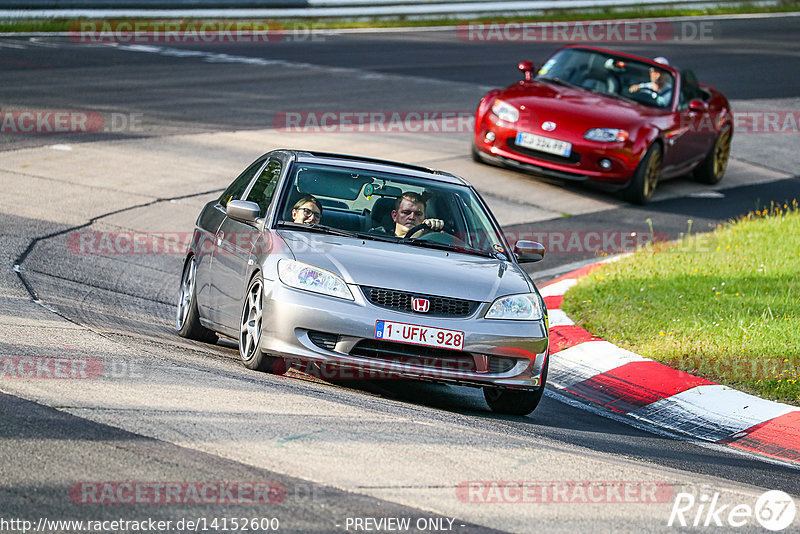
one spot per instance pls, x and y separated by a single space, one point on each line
475 155
645 179
250 331
516 401
188 316
712 169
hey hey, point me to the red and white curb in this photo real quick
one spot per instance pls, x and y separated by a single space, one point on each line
626 383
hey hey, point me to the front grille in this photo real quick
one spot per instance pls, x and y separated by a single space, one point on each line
428 357
323 340
401 301
574 157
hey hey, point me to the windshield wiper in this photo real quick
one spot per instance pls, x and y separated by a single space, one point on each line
321 228
613 95
450 248
557 81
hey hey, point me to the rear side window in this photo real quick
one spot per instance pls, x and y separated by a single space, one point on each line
238 187
264 188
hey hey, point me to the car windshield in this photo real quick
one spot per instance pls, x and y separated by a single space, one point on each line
364 204
610 75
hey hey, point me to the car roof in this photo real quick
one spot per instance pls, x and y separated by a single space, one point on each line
376 165
643 59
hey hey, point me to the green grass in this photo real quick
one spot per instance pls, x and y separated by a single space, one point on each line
784 6
723 305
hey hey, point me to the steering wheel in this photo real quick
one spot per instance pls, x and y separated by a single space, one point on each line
450 240
416 229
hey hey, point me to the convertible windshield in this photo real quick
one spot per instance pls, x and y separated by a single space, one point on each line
610 75
388 207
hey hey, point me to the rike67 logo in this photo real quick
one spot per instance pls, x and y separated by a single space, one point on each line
774 510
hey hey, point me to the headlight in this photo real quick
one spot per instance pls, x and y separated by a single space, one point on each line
606 135
505 111
526 307
309 278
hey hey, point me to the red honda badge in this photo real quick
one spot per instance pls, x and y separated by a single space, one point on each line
421 305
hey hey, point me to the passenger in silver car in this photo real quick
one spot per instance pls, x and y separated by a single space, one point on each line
307 210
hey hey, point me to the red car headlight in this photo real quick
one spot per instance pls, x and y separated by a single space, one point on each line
606 135
505 111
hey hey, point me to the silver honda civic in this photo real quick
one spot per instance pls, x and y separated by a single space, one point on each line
353 267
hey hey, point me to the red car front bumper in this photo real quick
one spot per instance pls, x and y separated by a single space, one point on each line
611 164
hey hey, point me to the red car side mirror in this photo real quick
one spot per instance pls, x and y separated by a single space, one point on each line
698 106
527 68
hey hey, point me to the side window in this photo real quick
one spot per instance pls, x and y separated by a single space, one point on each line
237 188
264 187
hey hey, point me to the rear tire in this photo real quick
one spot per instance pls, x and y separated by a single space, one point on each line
712 169
250 330
188 316
515 401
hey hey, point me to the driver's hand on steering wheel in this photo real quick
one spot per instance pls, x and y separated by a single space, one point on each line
434 224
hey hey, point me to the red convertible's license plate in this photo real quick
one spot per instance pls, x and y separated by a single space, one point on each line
419 335
543 144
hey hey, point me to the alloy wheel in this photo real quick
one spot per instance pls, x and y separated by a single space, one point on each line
186 293
250 331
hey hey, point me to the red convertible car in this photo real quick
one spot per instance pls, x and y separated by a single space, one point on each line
622 121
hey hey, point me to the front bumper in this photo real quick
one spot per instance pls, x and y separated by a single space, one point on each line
496 352
584 163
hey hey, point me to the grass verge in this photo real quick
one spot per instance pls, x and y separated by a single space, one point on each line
782 6
722 305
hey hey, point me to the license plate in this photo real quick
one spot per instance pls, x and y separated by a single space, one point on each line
419 335
544 144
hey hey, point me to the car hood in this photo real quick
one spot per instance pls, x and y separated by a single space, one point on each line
408 268
539 102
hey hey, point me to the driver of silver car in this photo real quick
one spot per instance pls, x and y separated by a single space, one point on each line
408 212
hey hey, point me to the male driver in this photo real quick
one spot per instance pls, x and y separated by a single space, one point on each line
409 211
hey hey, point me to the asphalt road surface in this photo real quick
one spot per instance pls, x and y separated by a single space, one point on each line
179 122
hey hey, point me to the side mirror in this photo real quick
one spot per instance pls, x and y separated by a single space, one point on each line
529 251
527 68
698 106
243 210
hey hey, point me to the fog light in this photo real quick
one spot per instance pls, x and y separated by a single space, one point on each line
489 137
605 163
